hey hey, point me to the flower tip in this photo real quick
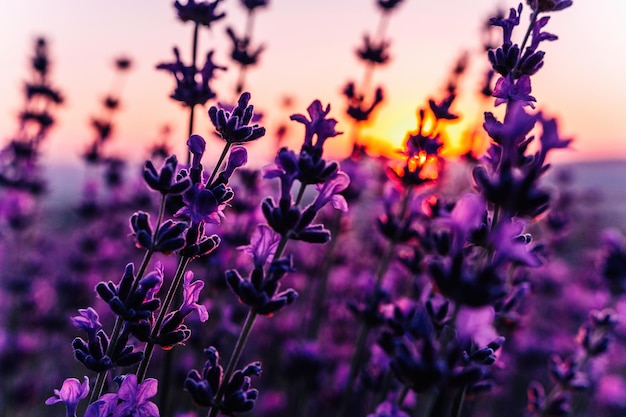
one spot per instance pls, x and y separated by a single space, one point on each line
196 144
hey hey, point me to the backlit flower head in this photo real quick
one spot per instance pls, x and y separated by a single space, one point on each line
318 126
71 392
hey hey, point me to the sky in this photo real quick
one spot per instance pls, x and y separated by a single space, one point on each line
310 54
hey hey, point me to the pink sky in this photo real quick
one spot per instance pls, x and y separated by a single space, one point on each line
309 55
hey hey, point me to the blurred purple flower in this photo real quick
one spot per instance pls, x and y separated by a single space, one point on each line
71 392
202 13
550 138
512 245
388 5
374 53
253 4
188 91
442 110
241 52
388 409
318 125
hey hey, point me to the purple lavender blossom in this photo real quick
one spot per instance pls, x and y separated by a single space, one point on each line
131 400
508 24
191 294
374 53
519 90
263 244
201 205
88 320
241 52
330 191
235 126
71 392
318 126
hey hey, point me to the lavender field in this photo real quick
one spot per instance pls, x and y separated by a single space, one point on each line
446 277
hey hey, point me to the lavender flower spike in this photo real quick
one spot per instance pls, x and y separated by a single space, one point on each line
318 125
71 392
235 127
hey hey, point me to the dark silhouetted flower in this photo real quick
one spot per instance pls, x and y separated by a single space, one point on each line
388 5
189 91
253 4
549 5
372 52
241 50
203 13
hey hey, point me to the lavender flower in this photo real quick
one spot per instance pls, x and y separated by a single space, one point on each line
191 294
241 52
203 13
189 91
71 392
234 127
131 400
549 5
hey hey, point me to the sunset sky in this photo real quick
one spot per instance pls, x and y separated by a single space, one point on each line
309 54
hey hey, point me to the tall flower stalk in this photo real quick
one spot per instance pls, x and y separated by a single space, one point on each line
192 83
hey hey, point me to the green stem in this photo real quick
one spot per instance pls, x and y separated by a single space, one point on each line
234 358
219 163
178 278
